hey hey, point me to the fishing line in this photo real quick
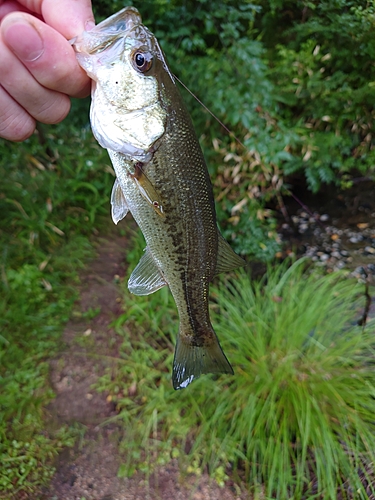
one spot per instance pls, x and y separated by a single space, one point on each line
211 113
231 134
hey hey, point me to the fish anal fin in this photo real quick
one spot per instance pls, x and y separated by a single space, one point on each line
191 361
227 259
146 277
118 202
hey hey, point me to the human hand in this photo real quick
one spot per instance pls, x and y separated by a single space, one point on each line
38 66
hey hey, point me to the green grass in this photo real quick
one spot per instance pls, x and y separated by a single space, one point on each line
52 196
301 407
295 419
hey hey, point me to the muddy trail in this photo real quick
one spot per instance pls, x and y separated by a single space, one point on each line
89 470
338 232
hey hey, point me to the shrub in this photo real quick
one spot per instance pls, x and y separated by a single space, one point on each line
292 80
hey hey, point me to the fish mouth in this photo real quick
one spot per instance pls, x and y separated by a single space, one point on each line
125 23
124 20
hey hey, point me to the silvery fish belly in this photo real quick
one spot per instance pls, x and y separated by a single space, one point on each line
137 114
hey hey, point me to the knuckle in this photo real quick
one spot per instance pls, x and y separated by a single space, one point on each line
53 110
15 123
16 126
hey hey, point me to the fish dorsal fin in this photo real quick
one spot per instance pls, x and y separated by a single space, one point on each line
146 277
119 206
227 259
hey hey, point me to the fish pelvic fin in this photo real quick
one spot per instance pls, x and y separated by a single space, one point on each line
191 361
118 202
146 277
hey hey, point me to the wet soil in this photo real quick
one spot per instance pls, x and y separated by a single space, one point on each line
335 228
89 470
336 231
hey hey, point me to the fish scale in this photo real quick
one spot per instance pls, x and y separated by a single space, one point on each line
178 178
137 113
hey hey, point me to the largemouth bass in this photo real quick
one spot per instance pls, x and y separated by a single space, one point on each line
138 115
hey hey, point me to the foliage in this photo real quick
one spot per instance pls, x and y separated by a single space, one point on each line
51 199
296 418
26 465
294 81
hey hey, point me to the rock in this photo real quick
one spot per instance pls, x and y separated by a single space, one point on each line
356 239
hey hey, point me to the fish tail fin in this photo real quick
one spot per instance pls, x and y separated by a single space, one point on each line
191 361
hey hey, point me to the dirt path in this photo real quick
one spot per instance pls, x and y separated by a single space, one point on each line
89 471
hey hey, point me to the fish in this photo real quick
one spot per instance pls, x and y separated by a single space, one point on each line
138 115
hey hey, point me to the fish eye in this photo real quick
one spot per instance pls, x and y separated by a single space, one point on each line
142 61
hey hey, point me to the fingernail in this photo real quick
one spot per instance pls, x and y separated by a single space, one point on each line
89 25
24 40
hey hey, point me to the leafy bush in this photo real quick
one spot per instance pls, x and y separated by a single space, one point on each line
292 80
326 81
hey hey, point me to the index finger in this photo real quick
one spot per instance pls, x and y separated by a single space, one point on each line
68 17
10 6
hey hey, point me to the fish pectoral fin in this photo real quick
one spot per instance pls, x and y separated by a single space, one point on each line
191 361
147 190
227 259
118 202
146 277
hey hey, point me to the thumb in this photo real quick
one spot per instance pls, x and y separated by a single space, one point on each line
68 17
45 53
